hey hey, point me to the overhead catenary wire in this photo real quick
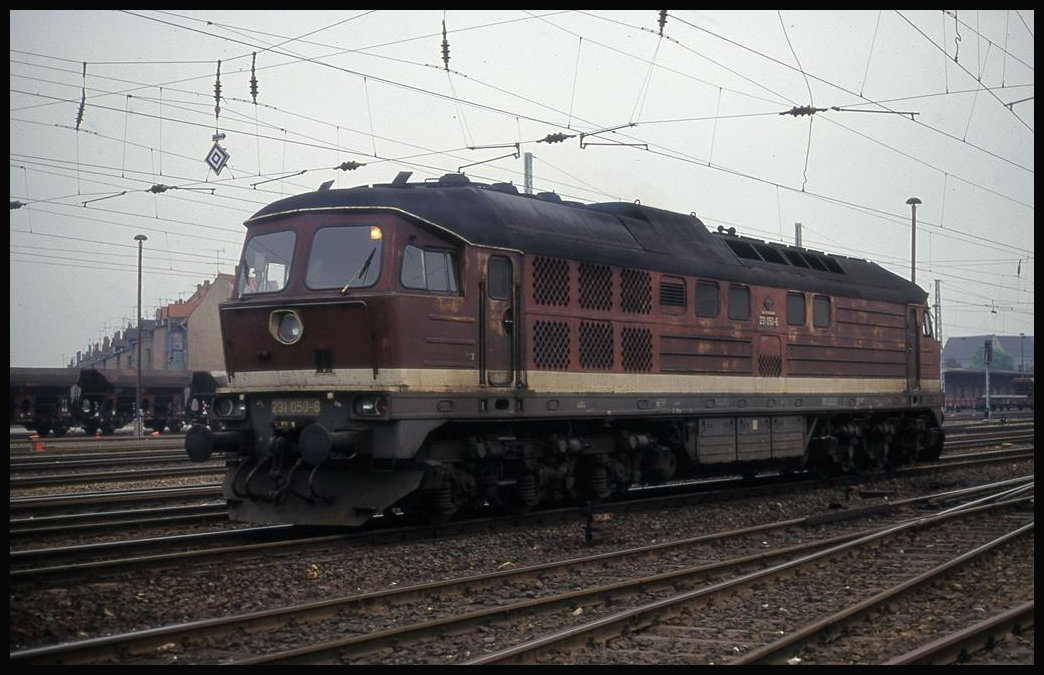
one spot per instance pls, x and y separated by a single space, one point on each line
610 129
986 89
290 131
599 132
843 89
840 88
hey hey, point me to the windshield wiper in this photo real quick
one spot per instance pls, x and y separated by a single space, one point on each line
362 271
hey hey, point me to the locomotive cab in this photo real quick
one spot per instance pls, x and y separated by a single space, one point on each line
332 313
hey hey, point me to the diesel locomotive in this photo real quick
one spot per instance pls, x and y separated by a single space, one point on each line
427 347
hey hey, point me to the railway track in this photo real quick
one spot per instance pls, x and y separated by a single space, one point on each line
37 506
457 620
166 516
976 641
829 634
113 568
71 460
30 532
106 477
22 444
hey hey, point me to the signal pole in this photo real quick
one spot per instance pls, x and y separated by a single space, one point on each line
913 202
141 239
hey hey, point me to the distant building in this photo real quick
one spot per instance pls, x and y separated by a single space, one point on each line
185 335
118 352
964 368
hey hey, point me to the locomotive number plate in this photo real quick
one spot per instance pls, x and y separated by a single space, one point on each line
295 406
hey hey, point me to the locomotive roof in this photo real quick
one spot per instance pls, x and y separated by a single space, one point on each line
615 233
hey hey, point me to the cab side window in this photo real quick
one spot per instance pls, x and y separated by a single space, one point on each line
739 303
707 299
429 269
820 311
795 309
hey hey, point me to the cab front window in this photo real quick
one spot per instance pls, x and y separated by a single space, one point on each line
266 263
345 257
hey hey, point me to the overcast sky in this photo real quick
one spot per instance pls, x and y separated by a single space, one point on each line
105 105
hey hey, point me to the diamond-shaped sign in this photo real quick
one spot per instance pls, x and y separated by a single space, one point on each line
217 158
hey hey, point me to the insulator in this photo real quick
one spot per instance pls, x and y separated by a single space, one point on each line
445 46
253 78
663 20
350 166
217 91
797 111
83 97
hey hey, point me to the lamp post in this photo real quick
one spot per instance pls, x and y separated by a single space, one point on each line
913 202
141 239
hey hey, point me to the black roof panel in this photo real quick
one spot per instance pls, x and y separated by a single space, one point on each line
617 233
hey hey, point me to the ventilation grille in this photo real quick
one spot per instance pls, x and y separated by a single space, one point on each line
770 366
784 256
551 345
637 349
596 287
596 345
551 282
635 291
672 294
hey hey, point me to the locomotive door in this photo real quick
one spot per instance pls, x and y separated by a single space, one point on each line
499 324
913 351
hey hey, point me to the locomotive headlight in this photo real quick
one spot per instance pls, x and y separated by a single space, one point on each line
371 406
285 326
224 406
229 407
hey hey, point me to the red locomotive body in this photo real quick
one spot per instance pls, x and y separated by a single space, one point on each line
433 346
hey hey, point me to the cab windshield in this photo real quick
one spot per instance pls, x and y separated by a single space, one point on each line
266 263
344 257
